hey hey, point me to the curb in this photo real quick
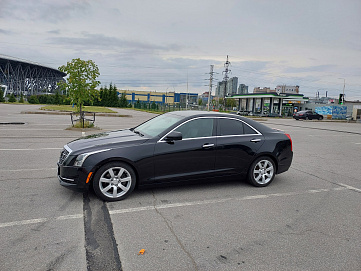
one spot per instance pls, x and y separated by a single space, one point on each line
68 113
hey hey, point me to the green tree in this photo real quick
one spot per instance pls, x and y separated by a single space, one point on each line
12 98
81 82
58 98
231 103
21 98
2 99
123 100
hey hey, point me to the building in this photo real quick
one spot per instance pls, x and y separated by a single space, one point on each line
263 90
287 89
159 97
28 78
221 89
242 89
228 88
232 85
272 102
204 97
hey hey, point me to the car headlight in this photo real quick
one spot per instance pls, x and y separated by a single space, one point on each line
81 157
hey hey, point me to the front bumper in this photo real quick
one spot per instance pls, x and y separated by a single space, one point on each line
73 177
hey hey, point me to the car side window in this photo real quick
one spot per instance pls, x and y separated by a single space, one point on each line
234 127
248 130
202 127
230 127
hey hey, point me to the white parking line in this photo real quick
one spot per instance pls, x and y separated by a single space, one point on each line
31 149
166 206
29 169
184 204
39 220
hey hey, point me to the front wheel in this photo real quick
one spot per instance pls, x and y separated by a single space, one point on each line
262 172
114 181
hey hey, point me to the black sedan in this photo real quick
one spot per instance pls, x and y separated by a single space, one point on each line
175 147
307 115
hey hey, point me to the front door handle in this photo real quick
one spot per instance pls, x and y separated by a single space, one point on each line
208 145
255 140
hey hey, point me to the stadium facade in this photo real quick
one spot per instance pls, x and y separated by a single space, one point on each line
28 78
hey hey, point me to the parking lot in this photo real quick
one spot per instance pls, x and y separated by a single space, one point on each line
309 218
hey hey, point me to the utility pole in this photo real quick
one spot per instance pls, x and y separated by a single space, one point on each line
225 79
211 72
187 93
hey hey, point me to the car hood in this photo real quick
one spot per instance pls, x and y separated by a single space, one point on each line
107 139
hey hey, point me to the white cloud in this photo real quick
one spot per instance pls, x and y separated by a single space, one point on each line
157 43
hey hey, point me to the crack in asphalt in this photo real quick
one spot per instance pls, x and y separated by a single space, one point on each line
170 227
100 244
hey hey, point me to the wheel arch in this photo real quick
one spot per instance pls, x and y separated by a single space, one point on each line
111 160
269 155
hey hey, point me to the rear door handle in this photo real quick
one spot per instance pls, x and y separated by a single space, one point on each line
208 145
255 140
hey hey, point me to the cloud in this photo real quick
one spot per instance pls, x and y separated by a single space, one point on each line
106 43
48 11
319 68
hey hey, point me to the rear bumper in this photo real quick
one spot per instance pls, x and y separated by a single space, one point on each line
285 163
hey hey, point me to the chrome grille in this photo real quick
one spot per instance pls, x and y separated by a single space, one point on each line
63 155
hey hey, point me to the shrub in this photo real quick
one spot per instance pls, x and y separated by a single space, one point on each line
33 99
12 98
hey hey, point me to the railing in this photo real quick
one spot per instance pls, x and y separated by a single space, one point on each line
82 117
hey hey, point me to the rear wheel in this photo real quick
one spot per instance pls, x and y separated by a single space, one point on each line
114 181
262 172
320 118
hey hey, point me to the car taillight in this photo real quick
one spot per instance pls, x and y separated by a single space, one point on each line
290 141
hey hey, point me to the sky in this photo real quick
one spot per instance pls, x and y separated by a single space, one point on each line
167 45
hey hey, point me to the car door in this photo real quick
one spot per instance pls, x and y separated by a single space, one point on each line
237 143
192 157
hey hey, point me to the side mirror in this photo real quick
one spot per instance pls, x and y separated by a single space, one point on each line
173 136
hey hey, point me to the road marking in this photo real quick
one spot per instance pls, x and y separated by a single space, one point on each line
204 202
31 169
350 187
29 129
31 149
39 220
184 204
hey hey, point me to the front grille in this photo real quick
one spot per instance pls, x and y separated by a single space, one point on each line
63 155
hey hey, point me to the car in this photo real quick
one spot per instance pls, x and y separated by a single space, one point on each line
180 146
274 115
243 113
307 115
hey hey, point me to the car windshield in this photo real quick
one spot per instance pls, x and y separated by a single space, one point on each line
157 125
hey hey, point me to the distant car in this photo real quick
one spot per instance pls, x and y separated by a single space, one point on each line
243 113
307 115
175 147
274 115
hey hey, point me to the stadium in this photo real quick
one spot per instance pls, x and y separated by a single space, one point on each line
28 78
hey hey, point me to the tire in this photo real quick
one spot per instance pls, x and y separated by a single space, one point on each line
320 118
307 118
262 172
114 181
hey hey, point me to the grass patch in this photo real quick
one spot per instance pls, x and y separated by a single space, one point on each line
69 108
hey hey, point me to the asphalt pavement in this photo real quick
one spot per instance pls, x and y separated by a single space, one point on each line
309 218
